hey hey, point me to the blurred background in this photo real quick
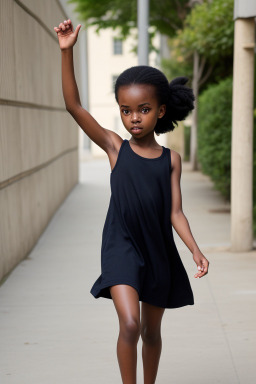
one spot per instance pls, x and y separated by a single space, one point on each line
45 157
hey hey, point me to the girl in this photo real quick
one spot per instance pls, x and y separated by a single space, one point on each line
139 258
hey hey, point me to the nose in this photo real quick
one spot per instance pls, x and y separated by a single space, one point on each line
135 117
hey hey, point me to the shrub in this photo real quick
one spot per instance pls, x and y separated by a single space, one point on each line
254 176
214 138
214 134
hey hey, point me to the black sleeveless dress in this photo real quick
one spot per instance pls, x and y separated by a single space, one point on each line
138 247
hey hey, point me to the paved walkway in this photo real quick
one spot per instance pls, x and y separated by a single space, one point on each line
53 331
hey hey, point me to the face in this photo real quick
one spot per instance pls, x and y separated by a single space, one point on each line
139 108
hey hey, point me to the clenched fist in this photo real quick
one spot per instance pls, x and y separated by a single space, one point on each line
66 35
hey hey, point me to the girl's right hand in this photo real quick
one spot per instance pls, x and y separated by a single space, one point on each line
66 35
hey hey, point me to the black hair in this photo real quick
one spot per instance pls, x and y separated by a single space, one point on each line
175 95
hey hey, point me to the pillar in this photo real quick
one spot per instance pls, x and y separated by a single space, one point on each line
242 136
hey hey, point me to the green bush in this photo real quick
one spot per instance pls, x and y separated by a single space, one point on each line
214 138
254 175
214 134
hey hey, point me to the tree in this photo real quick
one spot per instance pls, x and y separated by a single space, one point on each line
207 40
166 16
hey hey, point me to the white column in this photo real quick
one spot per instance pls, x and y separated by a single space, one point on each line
143 13
242 136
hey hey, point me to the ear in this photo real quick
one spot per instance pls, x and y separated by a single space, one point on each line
161 111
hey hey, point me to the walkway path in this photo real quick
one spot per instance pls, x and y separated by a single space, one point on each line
53 331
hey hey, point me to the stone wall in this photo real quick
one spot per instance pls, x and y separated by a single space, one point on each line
38 138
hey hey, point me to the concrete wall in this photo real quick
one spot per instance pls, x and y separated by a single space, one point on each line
38 138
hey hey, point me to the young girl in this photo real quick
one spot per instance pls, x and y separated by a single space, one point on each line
139 259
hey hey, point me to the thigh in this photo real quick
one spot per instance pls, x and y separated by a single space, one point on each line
151 317
126 301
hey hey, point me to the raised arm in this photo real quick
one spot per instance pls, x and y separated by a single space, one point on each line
179 220
103 137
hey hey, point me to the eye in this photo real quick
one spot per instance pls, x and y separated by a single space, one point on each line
145 110
125 112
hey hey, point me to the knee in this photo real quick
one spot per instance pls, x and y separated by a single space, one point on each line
130 330
150 336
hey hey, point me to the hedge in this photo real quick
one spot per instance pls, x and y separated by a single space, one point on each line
214 138
214 134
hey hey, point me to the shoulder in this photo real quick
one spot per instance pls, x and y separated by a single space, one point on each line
175 160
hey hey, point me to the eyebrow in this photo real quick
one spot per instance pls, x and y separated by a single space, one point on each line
141 105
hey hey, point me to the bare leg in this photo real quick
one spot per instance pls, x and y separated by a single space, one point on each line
126 301
152 341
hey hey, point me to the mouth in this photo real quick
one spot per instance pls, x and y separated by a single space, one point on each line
136 129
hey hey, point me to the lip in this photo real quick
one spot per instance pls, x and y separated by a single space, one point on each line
136 127
136 131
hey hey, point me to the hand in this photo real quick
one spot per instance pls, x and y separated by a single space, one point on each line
67 37
202 264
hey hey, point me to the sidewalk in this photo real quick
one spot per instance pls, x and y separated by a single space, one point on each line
53 331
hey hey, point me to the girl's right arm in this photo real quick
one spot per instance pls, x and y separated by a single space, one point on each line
101 136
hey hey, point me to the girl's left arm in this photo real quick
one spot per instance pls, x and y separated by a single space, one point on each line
179 220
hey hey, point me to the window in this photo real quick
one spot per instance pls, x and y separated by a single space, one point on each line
117 46
114 78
